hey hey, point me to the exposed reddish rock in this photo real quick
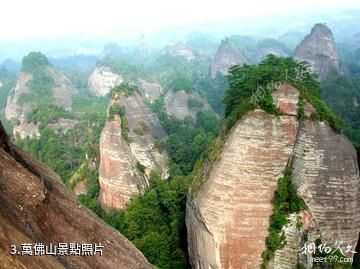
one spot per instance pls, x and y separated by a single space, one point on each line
226 56
228 216
120 178
43 211
318 48
286 99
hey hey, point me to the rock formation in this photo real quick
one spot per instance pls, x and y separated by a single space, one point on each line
180 50
228 214
150 90
43 211
226 56
318 48
126 163
102 80
177 104
17 107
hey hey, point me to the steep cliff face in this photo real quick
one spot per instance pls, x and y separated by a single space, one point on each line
102 80
126 163
228 217
318 48
177 104
13 109
225 57
180 50
17 107
43 211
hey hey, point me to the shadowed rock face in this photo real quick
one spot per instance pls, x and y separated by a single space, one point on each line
42 210
62 92
102 80
318 48
120 179
228 218
226 56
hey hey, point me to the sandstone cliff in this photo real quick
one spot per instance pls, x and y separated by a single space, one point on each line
17 107
226 56
228 216
102 80
177 104
180 50
126 163
318 48
43 211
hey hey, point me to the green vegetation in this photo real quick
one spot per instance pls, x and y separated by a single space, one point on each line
116 109
251 86
182 84
124 88
285 202
48 113
194 104
34 61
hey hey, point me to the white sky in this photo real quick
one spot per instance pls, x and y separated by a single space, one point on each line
40 18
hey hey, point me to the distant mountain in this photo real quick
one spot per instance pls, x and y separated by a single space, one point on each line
319 49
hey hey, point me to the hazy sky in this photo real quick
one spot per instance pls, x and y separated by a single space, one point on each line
41 18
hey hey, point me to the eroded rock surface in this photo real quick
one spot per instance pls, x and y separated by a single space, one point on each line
151 90
226 56
102 80
43 211
318 48
176 104
120 177
228 216
180 50
18 106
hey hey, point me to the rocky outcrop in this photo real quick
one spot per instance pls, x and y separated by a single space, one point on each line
102 80
61 126
18 106
150 90
126 163
228 214
13 109
180 50
42 211
226 56
62 89
318 48
177 104
25 129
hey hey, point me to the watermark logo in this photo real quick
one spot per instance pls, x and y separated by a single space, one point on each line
329 254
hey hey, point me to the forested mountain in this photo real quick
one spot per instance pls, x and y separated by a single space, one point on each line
203 150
